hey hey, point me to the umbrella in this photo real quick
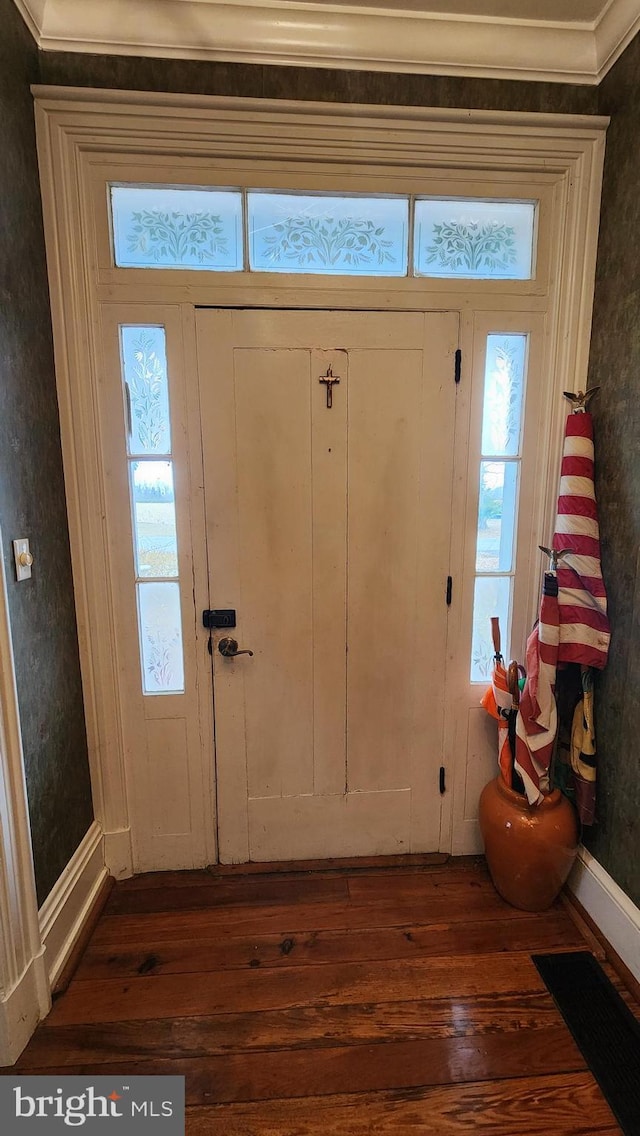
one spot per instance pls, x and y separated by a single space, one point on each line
537 719
501 701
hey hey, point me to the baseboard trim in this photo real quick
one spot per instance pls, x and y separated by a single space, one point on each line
614 915
86 931
118 855
69 904
21 1010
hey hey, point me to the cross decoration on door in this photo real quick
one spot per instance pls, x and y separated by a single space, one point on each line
329 380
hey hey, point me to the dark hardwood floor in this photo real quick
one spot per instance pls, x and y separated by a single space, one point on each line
396 999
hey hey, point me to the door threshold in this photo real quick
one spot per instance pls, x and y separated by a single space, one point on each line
351 863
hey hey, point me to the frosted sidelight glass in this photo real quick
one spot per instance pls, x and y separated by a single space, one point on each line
501 458
160 629
492 595
503 394
474 239
353 236
144 368
165 227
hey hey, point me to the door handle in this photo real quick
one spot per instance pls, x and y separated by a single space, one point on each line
229 647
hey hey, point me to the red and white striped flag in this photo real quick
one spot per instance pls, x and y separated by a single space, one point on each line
582 599
572 628
537 721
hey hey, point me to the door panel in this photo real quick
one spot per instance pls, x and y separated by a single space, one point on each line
272 391
328 531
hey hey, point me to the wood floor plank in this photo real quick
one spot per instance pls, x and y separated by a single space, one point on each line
419 861
566 1105
269 989
396 998
270 1074
456 884
302 1027
288 919
548 932
226 893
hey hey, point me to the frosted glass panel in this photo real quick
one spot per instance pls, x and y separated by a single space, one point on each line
144 365
491 597
160 638
474 239
355 236
503 394
154 517
157 227
496 516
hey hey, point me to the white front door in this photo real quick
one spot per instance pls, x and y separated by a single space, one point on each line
328 524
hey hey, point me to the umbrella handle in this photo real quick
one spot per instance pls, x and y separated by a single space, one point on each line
495 635
512 682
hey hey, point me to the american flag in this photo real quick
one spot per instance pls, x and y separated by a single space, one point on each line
573 626
582 599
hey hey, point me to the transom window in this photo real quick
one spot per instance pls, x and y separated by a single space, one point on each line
231 230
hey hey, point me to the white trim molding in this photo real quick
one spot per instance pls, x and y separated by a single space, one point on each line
66 908
24 990
87 138
380 37
616 916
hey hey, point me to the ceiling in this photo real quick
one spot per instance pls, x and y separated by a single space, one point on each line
556 40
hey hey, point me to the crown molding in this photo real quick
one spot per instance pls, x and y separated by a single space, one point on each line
619 23
339 35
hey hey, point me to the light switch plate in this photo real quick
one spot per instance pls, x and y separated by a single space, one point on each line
23 558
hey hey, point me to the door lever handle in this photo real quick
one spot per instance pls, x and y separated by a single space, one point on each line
229 647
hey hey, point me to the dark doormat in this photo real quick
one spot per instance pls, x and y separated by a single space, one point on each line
603 1028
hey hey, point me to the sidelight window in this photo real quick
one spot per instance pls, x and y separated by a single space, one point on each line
152 500
500 463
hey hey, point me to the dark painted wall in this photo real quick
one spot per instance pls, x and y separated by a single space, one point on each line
32 500
250 80
616 338
615 366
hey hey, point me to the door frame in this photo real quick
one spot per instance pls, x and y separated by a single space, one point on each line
84 136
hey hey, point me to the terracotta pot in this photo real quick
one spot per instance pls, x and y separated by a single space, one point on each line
530 850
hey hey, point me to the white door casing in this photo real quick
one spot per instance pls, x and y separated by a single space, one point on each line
87 139
329 531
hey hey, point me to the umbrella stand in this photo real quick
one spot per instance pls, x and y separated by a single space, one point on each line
531 837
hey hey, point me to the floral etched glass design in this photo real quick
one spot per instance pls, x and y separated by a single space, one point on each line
502 420
154 519
503 389
492 596
483 240
352 236
165 227
160 638
144 367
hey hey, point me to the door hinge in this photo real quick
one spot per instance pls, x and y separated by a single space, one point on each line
457 366
449 589
442 781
